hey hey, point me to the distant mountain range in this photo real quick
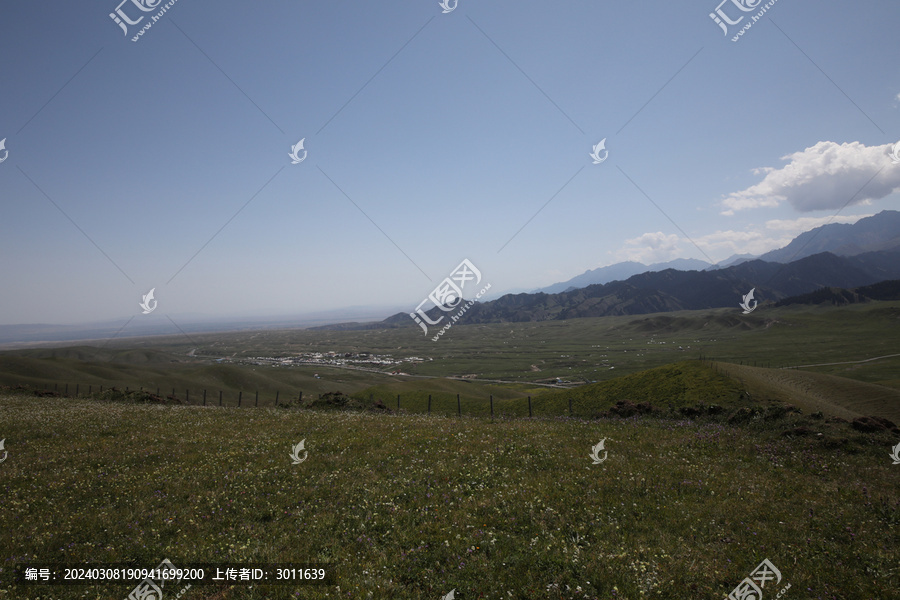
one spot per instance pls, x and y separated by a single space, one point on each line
878 232
672 290
622 270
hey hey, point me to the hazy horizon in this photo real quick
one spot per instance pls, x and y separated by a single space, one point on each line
428 138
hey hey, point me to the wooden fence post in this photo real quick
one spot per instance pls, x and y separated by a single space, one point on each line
398 401
529 406
458 407
257 398
300 399
240 394
90 387
76 390
492 406
187 396
220 397
276 397
429 404
570 407
204 397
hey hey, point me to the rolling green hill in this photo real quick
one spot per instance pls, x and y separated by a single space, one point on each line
830 394
672 387
683 386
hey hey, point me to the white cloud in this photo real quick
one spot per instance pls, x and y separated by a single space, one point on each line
754 239
722 244
650 248
823 177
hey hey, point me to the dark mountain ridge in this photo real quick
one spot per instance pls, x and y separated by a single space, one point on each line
870 234
673 290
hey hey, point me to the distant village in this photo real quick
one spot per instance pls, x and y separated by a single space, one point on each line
360 360
367 361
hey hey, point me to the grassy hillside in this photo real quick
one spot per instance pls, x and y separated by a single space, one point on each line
577 350
692 384
414 507
684 387
672 387
127 368
838 396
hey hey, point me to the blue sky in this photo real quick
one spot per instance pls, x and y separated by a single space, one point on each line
431 138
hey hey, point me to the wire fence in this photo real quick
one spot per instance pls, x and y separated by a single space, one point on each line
415 402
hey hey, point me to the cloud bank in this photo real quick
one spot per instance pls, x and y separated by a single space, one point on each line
826 176
651 248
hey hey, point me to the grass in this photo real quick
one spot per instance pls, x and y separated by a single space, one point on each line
811 391
682 388
577 350
684 384
412 506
